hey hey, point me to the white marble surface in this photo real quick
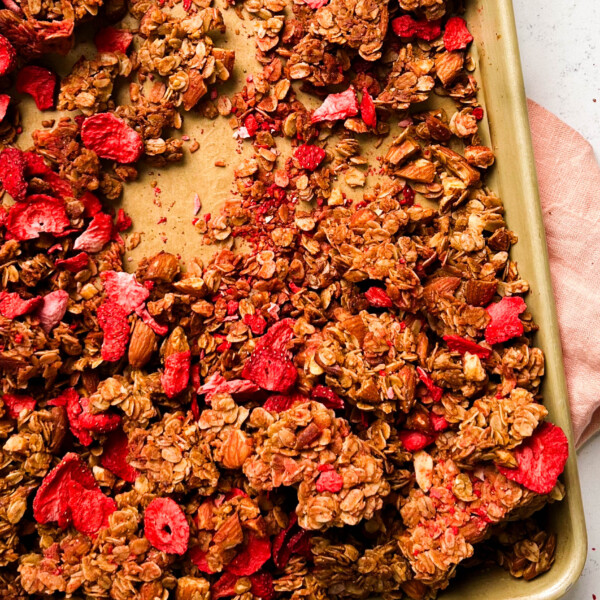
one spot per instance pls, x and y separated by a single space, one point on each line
560 52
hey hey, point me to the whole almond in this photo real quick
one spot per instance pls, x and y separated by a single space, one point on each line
162 267
142 344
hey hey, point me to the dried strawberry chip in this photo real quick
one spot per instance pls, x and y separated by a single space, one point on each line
256 323
337 106
74 264
8 56
505 323
114 456
198 557
280 402
166 527
12 173
378 298
456 34
51 500
541 459
52 309
438 423
326 396
113 321
330 481
123 221
435 391
262 586
98 233
252 557
111 39
217 384
17 403
292 540
39 83
308 156
91 205
40 214
456 343
315 4
97 422
224 587
277 337
124 289
408 27
158 329
367 109
415 440
176 375
251 125
110 137
4 102
89 509
13 306
408 196
478 113
272 371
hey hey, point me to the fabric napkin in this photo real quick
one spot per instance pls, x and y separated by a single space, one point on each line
569 182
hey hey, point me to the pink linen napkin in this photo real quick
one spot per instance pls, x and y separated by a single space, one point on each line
569 182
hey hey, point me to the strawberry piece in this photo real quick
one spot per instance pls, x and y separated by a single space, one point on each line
89 509
98 233
252 557
272 371
176 375
280 402
292 540
91 205
217 384
337 106
13 306
224 586
408 195
124 289
505 323
456 34
12 173
39 214
110 137
166 527
113 321
541 459
327 397
407 27
111 39
435 391
142 312
315 4
251 125
378 298
123 221
438 423
52 309
330 481
262 586
8 56
414 441
4 102
478 113
74 264
308 156
16 403
114 456
39 83
277 337
367 109
456 343
257 323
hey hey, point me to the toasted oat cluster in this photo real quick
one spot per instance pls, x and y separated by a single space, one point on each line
344 402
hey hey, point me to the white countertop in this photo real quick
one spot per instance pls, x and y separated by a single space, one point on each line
560 52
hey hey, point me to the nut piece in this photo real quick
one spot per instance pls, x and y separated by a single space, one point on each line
192 588
142 344
163 267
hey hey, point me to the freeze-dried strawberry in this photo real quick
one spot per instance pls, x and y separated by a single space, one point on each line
124 289
434 390
13 306
408 27
4 102
308 156
97 422
111 39
199 558
8 56
505 323
112 319
456 34
330 481
270 370
74 264
408 195
367 109
256 323
261 586
166 527
217 384
89 509
224 586
17 403
337 106
12 173
277 337
438 423
91 204
456 343
292 540
176 375
110 137
280 402
378 298
114 456
315 4
478 113
255 553
52 309
326 396
98 233
143 313
414 441
51 500
123 221
39 214
541 459
39 83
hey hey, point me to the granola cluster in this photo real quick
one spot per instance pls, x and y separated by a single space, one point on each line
344 401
